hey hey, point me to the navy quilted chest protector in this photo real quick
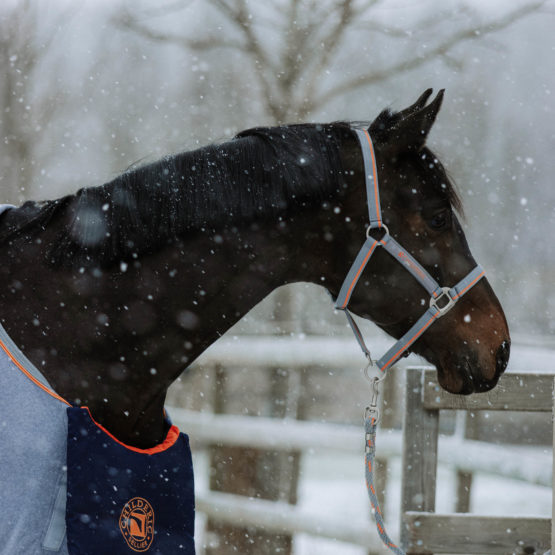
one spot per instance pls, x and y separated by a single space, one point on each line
123 500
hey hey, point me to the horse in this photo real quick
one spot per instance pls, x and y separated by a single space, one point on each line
114 290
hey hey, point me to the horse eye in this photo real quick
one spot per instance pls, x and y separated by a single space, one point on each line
439 220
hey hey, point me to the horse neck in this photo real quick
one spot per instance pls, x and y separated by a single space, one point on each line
115 340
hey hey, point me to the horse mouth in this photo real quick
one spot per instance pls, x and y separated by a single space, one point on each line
466 378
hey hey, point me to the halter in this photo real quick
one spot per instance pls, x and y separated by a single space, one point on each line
442 299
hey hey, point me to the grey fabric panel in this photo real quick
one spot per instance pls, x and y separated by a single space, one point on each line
4 207
56 531
22 359
33 436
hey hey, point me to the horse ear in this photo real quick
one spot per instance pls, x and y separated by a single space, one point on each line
412 125
418 105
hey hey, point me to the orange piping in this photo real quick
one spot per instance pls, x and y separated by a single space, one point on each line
30 376
171 438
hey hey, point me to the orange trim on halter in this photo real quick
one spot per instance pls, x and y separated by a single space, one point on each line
355 279
171 437
30 376
422 330
375 174
469 286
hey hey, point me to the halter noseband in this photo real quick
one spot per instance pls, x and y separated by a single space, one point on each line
442 299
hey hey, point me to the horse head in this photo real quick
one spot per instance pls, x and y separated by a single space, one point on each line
469 345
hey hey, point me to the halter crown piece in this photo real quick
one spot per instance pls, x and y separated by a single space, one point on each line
442 299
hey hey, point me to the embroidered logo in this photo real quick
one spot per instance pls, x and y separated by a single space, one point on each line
136 523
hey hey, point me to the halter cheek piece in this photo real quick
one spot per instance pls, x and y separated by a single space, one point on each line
442 299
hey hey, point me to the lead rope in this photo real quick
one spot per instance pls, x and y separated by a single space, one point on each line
371 419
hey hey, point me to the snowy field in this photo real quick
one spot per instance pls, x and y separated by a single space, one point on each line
333 484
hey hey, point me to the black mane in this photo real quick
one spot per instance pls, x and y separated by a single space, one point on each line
261 173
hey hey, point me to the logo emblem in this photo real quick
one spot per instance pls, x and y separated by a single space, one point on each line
136 523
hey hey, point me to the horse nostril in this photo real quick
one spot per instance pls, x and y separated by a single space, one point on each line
502 357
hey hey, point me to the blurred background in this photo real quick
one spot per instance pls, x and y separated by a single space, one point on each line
88 89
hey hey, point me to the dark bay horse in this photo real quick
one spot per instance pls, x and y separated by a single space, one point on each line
111 292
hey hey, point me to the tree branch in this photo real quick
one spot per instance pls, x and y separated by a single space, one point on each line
364 7
259 58
133 25
161 10
441 50
331 44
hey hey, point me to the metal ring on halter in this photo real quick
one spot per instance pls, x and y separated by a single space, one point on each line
374 380
370 228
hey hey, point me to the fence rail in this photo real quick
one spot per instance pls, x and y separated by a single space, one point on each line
422 530
490 534
280 517
341 351
531 465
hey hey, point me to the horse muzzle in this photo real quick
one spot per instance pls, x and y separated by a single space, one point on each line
468 372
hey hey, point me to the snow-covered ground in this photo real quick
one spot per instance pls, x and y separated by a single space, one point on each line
333 484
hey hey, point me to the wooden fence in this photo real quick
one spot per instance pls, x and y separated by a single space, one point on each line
287 435
422 530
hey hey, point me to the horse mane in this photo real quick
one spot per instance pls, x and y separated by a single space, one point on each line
261 173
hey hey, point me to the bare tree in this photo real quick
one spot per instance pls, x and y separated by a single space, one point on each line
289 45
26 101
18 59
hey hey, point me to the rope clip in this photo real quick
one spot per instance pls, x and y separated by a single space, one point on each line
372 411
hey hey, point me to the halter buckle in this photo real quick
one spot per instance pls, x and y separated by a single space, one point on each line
443 302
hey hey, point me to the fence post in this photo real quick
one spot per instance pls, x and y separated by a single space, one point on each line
464 478
245 471
418 486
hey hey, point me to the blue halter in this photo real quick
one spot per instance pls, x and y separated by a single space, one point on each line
442 299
